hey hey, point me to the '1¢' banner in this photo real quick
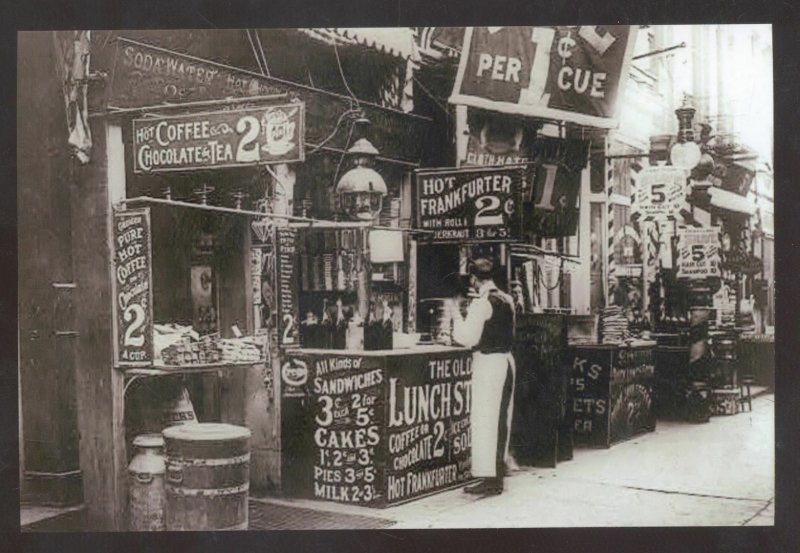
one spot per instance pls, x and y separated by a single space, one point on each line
574 73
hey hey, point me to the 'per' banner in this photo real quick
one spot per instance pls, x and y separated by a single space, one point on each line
574 74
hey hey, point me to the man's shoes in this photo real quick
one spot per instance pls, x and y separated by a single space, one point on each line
486 487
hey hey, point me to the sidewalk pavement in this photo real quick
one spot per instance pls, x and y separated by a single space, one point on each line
716 474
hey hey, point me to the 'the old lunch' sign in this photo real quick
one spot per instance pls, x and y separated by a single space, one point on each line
478 203
272 134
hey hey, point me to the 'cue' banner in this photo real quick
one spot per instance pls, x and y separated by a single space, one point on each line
567 73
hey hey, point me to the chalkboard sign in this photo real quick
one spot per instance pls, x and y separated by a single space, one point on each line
347 433
132 288
591 374
428 441
632 381
540 433
374 429
612 390
480 204
287 286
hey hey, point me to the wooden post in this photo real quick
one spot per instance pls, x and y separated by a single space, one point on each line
99 385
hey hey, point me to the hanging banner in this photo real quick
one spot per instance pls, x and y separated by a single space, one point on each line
574 73
552 211
698 253
470 204
660 192
132 288
270 134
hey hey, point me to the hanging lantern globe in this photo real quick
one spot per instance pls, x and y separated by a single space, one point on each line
361 189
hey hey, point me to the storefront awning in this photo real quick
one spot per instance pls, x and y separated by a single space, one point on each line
398 42
729 201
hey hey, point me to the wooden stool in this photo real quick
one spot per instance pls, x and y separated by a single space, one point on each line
744 392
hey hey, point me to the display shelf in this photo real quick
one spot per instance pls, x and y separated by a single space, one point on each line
162 370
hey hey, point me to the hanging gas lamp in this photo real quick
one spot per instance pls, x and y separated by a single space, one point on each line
361 189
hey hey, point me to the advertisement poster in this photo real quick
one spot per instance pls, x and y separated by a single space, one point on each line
133 288
570 73
660 192
480 204
698 255
286 274
269 134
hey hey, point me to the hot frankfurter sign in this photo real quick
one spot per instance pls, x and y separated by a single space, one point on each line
471 204
574 73
268 134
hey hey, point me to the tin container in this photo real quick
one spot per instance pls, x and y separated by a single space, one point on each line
208 476
146 492
179 409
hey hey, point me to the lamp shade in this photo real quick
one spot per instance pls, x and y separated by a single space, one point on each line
361 189
361 179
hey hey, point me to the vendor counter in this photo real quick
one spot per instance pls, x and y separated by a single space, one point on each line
375 428
612 391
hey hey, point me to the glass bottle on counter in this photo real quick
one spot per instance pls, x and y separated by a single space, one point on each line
326 327
309 331
371 330
387 327
339 334
355 332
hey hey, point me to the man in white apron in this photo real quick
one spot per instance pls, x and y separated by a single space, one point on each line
489 329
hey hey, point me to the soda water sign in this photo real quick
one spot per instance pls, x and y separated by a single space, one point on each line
132 287
272 134
574 73
470 204
699 253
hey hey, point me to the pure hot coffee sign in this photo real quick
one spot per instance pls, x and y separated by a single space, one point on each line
574 73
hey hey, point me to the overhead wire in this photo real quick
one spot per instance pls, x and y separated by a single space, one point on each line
432 97
341 73
322 144
261 49
255 53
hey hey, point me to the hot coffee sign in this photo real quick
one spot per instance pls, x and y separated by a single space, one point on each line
272 134
132 286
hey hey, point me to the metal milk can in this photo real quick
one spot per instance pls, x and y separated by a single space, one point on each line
146 492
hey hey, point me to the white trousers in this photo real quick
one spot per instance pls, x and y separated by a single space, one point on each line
493 376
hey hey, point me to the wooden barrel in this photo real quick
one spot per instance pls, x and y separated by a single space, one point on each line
208 476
